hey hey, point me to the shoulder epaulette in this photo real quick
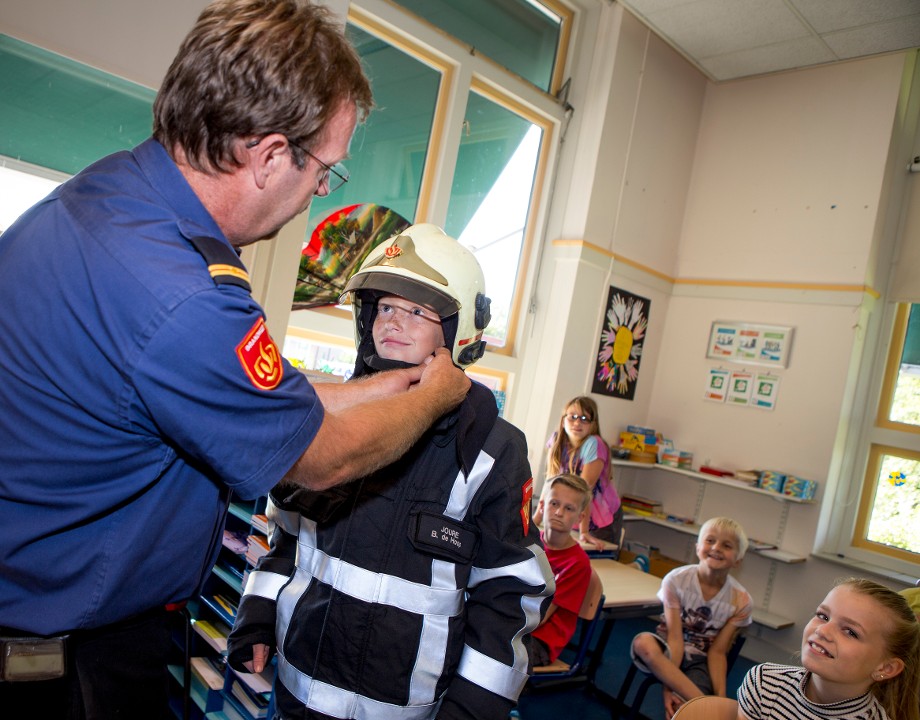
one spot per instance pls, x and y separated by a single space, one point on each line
224 264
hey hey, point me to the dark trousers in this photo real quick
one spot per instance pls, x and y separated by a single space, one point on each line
118 671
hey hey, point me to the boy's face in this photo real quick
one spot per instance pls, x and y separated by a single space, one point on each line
717 549
404 330
562 508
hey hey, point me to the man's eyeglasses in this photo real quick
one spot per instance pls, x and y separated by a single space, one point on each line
338 170
335 175
583 418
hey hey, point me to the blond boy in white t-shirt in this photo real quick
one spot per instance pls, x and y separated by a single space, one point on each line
704 607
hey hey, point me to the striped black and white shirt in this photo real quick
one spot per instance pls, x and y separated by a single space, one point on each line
777 692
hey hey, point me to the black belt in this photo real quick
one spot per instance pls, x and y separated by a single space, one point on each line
25 656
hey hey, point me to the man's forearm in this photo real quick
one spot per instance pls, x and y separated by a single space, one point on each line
364 437
337 397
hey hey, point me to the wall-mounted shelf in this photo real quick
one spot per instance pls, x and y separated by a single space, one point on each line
761 615
716 479
694 529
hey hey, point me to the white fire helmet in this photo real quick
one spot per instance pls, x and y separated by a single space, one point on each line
425 265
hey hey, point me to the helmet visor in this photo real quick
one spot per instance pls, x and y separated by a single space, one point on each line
413 290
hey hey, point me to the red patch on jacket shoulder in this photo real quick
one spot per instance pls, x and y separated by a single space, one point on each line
525 505
260 358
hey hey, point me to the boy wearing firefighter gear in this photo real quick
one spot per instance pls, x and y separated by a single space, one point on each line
410 593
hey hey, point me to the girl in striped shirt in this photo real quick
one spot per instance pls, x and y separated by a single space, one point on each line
860 657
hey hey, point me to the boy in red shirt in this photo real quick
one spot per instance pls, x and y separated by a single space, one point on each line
562 505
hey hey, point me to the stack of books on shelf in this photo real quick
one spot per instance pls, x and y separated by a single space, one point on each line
260 523
224 606
250 694
209 675
257 546
215 634
639 505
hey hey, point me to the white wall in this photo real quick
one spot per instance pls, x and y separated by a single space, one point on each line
786 185
788 174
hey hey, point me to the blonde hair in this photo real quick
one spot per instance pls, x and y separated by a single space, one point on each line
726 524
554 462
900 695
575 482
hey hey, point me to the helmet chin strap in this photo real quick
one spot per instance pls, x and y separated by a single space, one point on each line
375 362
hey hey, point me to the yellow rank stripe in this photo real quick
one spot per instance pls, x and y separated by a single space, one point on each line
220 269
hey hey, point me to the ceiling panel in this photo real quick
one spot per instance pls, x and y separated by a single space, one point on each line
728 39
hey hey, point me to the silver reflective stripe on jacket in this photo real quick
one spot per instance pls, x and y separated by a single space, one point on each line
436 603
335 701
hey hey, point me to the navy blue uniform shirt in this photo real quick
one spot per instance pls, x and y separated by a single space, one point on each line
135 394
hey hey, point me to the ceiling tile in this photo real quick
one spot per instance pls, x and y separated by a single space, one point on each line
800 52
882 37
829 15
728 39
714 27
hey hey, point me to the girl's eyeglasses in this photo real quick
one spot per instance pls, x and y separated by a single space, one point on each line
584 418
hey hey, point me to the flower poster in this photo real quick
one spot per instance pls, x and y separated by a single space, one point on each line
739 388
764 391
622 340
717 386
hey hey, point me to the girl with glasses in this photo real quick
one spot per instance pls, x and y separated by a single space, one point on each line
578 449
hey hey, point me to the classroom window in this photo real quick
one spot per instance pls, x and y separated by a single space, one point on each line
63 115
390 149
900 404
456 140
888 516
491 199
524 36
21 186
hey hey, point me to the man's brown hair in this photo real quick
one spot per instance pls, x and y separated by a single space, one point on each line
254 67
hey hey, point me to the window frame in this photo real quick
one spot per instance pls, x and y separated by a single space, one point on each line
852 478
464 72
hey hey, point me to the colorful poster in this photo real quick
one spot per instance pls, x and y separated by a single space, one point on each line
622 339
717 387
750 343
337 247
722 341
739 388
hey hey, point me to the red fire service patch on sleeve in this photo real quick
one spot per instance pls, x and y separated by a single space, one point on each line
260 358
525 505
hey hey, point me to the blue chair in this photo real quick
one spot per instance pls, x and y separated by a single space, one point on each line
636 705
560 672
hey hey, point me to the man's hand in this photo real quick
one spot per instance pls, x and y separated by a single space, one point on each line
448 383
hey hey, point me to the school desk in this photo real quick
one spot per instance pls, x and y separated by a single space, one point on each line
628 593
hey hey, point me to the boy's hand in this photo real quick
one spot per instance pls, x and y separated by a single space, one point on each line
259 658
672 701
589 539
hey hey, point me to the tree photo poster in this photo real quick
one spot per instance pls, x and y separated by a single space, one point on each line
622 339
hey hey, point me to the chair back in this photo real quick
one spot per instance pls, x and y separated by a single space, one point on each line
590 615
592 602
708 707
